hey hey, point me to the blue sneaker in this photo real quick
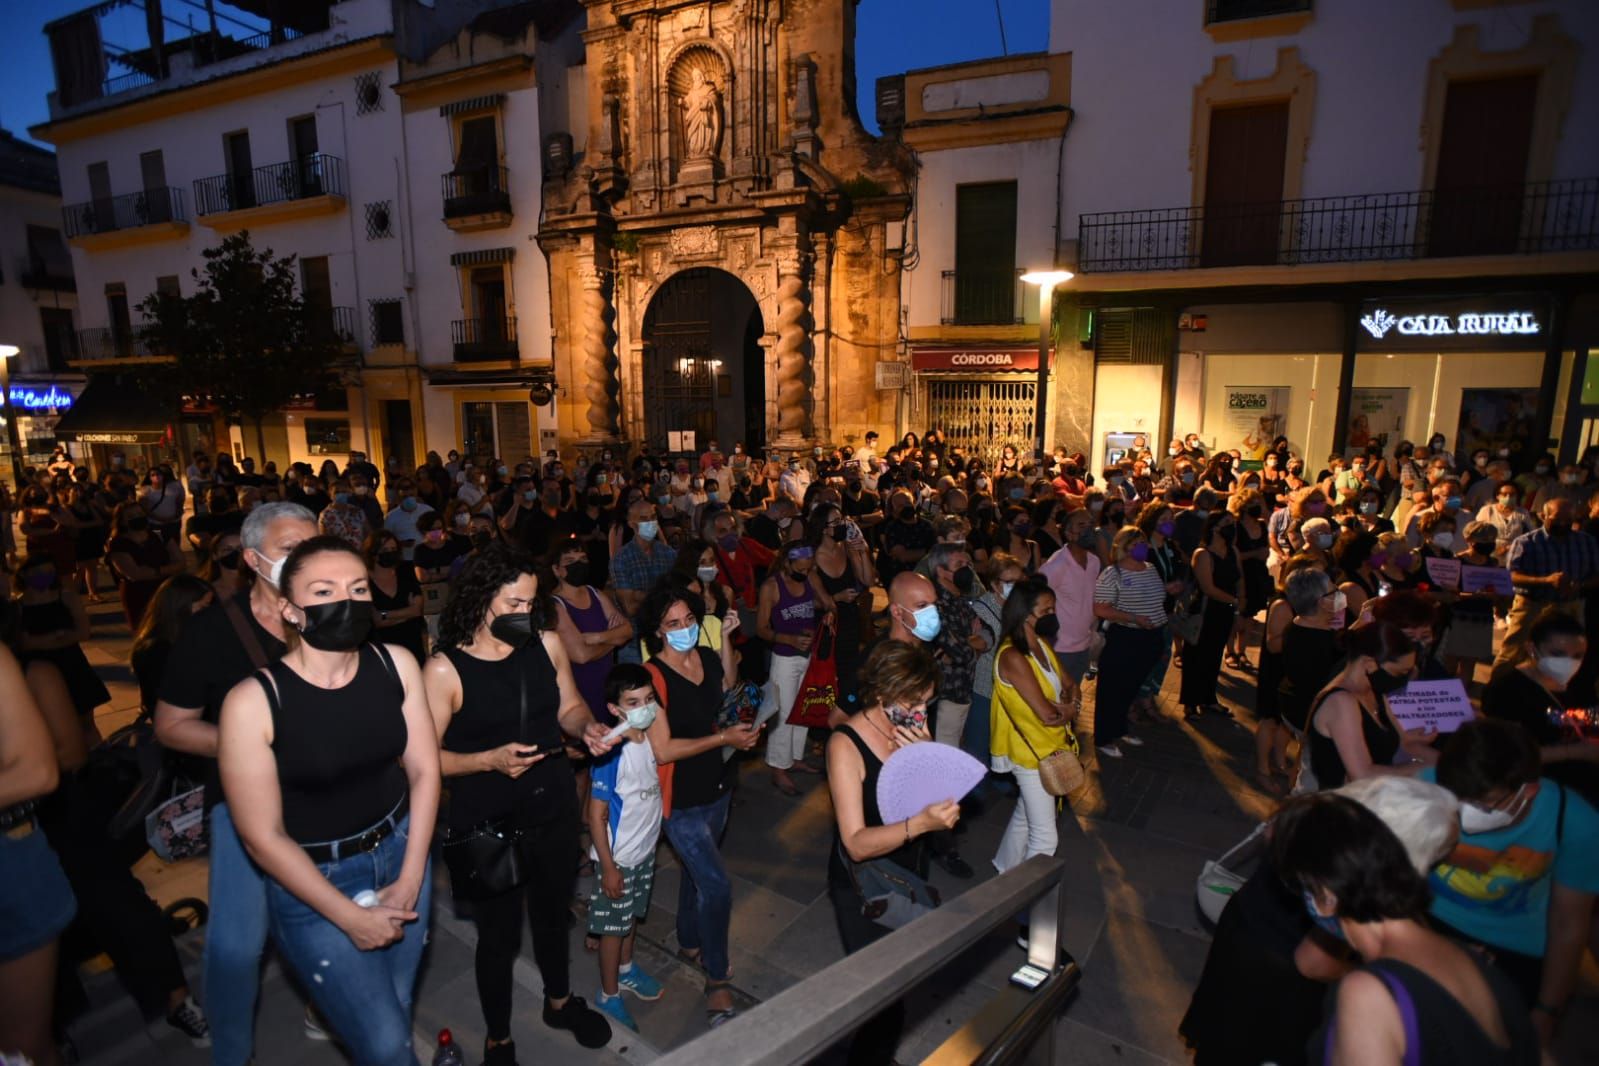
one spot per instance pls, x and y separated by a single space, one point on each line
614 1008
639 983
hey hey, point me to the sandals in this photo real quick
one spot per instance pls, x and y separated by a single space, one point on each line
716 1016
1234 660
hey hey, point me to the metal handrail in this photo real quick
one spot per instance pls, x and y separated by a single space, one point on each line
799 1023
318 174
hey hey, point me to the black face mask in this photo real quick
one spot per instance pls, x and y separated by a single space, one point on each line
907 514
1382 682
340 626
1227 534
482 540
1047 628
965 580
594 499
230 560
513 629
577 573
136 525
388 558
839 531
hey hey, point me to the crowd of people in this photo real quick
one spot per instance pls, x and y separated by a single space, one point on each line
550 663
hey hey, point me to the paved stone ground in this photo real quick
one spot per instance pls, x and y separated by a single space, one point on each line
1133 851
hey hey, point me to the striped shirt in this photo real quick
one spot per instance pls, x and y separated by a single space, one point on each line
1540 553
1141 593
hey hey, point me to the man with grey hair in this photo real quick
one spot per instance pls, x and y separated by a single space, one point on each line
219 647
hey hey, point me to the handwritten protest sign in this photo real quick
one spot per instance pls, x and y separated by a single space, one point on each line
1444 573
1494 579
1440 705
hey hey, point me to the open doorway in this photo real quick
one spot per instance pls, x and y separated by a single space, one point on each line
704 367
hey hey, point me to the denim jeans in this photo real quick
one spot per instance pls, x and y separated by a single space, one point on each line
704 894
364 995
235 938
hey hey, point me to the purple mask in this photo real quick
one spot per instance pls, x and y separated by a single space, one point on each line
1403 560
729 542
1139 551
1166 528
1378 560
1315 507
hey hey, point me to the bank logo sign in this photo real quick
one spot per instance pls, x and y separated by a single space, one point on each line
1465 324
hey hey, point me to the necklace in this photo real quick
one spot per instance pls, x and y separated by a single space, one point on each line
885 734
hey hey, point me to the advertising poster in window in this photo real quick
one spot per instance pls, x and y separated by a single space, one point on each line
1497 418
1256 414
1376 416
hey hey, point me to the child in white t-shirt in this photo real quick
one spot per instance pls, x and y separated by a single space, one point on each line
624 816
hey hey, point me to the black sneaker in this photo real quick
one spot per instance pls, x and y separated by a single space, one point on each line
188 1019
954 864
582 1021
500 1054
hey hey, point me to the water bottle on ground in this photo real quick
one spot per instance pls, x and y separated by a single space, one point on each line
449 1052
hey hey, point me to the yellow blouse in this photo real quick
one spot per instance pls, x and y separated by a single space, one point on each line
1014 725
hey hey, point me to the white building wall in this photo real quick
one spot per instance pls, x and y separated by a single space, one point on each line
1031 164
1135 64
19 306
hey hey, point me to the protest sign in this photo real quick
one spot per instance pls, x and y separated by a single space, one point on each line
1444 573
1440 705
1494 579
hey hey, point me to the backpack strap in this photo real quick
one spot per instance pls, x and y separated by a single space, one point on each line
247 637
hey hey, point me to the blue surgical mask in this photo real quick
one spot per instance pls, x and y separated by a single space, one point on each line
927 623
685 638
1017 494
648 530
1327 922
1004 589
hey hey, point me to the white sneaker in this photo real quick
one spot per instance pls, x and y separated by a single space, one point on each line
188 1019
313 1025
1134 741
1110 751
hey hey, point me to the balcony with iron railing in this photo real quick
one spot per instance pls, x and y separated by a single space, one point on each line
477 198
1528 219
333 325
154 214
310 185
484 339
982 298
107 343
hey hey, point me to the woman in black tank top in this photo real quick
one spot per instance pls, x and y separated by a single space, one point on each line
329 761
897 679
1351 732
503 700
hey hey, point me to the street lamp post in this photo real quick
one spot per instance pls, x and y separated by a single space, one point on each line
1046 280
13 432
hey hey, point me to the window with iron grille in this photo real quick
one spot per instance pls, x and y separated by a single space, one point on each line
388 322
379 220
368 93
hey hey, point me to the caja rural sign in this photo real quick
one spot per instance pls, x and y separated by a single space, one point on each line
975 360
1505 323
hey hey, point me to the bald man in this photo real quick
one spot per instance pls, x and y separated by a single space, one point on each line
912 609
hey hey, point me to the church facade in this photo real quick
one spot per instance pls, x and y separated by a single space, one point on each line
723 252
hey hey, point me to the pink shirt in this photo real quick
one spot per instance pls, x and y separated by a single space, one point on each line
1073 586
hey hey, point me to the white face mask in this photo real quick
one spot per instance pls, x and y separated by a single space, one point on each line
1445 540
1558 668
1475 819
706 573
1004 590
641 718
274 572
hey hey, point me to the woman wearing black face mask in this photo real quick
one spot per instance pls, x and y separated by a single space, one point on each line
329 760
1351 733
396 594
223 569
504 701
139 559
1220 580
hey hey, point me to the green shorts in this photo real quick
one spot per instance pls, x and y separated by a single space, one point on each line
615 917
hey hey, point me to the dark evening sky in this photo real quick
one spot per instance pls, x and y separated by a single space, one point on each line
893 36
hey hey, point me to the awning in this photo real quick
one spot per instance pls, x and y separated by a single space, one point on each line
482 256
476 103
111 411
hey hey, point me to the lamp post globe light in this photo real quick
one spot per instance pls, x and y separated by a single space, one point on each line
1046 280
13 433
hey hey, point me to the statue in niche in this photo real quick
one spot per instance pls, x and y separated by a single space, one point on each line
702 117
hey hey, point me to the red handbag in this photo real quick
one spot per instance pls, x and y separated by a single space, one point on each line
818 691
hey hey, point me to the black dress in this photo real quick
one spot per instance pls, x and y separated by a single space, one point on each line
1257 579
83 684
409 633
1310 657
1202 660
1382 744
847 646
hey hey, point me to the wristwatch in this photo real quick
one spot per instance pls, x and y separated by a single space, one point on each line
383 616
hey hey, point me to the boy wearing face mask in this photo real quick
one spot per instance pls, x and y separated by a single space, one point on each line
1522 879
624 818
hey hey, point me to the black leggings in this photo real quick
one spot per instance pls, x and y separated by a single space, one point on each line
1202 660
552 852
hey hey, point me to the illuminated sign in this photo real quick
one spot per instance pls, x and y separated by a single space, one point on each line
923 359
31 399
1465 324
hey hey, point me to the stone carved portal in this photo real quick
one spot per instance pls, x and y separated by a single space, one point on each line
704 367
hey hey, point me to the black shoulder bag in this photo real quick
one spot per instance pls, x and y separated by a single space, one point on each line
489 859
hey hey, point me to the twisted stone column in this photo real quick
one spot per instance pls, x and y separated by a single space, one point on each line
600 383
793 354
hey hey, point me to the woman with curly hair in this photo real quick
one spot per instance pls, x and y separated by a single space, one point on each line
503 701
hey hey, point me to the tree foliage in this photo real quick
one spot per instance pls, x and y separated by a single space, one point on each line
245 339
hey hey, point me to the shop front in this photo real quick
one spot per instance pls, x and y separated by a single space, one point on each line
509 417
38 405
115 424
981 398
